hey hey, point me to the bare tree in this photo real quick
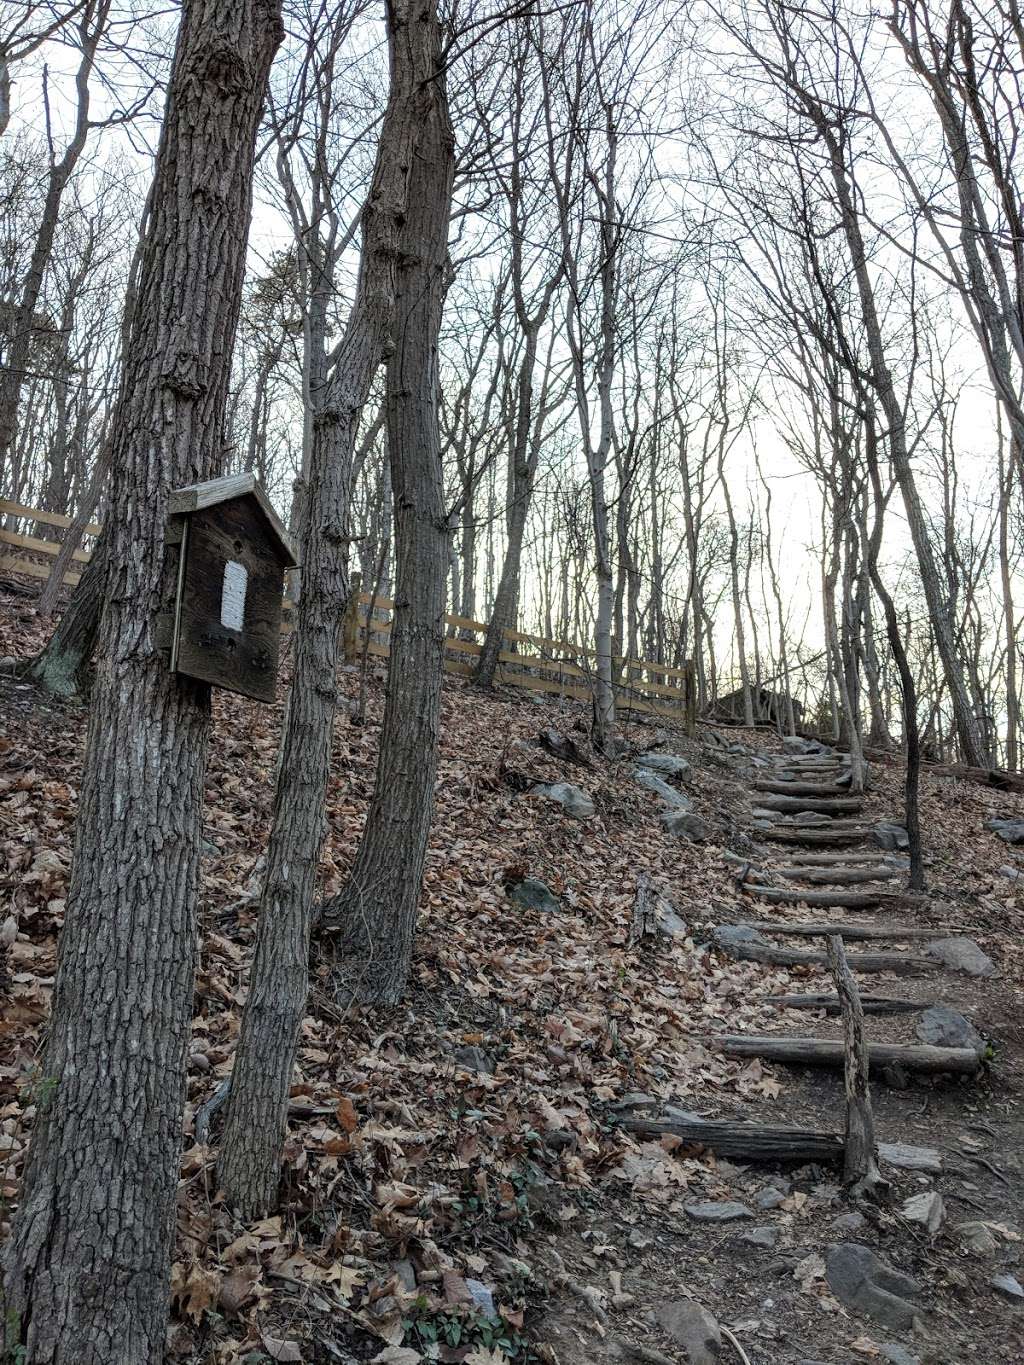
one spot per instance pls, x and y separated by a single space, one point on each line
86 1272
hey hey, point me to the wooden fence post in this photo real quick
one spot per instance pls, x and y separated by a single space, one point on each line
350 626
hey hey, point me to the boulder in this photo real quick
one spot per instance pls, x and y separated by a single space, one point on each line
653 783
532 894
1010 831
717 1211
793 744
684 825
729 934
573 799
669 765
866 1284
943 1027
962 955
887 834
850 1222
693 1328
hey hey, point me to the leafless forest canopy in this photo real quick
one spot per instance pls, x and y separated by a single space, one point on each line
735 309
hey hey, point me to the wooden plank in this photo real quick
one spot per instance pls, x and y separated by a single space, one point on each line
197 497
870 1004
40 547
18 509
768 953
30 569
833 805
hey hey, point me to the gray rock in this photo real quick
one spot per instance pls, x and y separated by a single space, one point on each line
1010 831
693 1328
887 834
977 1237
482 1297
653 783
728 934
532 894
406 1275
896 1354
668 921
669 765
573 799
926 1209
850 1222
684 825
793 744
769 1199
1009 1285
1012 874
943 1027
474 1059
907 1158
640 1240
863 1282
636 1102
764 1238
963 955
717 1211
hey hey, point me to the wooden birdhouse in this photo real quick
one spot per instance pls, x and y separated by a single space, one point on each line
228 604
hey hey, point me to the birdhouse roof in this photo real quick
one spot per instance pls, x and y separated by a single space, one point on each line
198 496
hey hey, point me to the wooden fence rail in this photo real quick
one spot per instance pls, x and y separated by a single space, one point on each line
534 662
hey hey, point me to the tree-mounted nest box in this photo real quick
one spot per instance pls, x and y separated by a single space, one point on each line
229 598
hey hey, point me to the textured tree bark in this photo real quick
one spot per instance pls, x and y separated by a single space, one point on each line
376 910
860 1154
86 1271
63 664
258 1107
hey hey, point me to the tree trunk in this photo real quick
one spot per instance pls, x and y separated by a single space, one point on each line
376 910
860 1156
86 1272
258 1107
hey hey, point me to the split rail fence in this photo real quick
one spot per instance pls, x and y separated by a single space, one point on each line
533 662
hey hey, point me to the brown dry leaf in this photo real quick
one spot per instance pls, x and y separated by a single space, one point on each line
346 1115
194 1289
237 1288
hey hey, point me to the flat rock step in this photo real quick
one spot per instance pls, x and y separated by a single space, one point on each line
904 933
831 1004
791 895
835 805
837 876
829 1052
751 949
765 784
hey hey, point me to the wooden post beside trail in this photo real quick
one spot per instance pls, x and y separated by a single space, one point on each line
860 1160
350 623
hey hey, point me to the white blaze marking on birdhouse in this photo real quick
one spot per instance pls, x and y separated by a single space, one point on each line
232 597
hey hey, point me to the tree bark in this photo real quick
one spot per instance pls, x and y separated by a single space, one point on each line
258 1107
376 910
86 1271
860 1155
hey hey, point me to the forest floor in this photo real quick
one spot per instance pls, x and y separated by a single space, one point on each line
456 1186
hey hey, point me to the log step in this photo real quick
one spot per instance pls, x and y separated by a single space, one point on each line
790 895
902 964
744 1141
898 933
798 788
829 1052
801 819
813 838
836 876
836 805
808 858
831 1004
